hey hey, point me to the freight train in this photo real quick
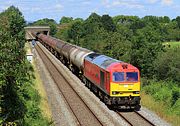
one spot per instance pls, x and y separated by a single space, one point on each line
115 82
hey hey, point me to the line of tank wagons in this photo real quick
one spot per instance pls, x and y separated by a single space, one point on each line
115 82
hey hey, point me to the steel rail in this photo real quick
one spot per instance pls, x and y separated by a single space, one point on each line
133 123
144 118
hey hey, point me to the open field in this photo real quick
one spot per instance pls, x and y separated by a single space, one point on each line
172 44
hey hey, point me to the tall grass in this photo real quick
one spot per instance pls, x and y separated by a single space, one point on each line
163 98
34 100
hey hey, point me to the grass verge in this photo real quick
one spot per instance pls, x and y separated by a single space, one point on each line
38 112
39 87
160 108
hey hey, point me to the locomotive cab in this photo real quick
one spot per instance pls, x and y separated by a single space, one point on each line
124 84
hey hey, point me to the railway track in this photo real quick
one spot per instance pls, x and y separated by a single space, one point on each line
135 119
82 113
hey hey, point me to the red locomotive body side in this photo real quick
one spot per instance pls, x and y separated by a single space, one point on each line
90 71
100 77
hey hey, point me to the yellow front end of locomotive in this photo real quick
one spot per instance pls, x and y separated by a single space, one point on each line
124 89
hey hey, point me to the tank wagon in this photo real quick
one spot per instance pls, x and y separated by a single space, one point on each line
115 82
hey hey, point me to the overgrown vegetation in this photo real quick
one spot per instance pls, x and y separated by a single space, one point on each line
19 101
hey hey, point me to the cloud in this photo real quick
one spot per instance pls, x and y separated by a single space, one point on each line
122 3
59 7
152 1
167 2
30 7
162 2
86 2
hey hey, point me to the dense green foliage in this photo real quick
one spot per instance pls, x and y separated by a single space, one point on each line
13 66
137 41
167 65
18 99
167 92
66 20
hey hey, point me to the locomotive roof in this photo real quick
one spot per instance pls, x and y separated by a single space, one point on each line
101 60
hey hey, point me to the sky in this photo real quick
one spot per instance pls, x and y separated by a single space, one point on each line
54 9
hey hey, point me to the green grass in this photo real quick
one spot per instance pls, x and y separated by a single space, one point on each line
172 44
162 97
38 112
159 108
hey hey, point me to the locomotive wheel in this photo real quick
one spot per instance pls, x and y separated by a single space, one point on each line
84 80
106 100
101 96
137 107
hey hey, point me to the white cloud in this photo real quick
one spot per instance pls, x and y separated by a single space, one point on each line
58 6
86 2
167 2
122 3
152 1
163 2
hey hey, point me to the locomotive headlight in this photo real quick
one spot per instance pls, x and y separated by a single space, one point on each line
115 92
136 92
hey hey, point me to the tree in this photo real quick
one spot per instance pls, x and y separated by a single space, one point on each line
13 70
76 32
178 21
78 19
166 19
125 20
108 23
117 46
145 47
167 65
66 20
92 23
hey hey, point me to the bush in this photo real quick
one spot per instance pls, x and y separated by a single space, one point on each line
167 92
167 65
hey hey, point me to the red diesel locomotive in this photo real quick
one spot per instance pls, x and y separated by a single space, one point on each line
115 82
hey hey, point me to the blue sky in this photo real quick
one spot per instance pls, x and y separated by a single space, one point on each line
55 9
